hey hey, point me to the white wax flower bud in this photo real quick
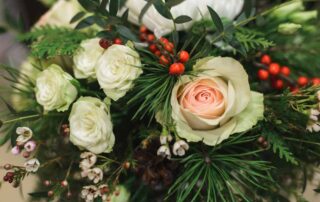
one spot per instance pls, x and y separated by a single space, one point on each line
180 147
164 151
284 11
164 139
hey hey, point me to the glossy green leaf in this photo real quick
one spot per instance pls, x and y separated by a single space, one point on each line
77 17
86 22
114 7
126 33
182 19
216 19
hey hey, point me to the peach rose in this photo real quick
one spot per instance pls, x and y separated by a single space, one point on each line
216 103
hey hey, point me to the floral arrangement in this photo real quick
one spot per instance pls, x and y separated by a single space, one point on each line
177 100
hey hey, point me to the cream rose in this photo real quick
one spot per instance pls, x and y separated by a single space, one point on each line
85 60
60 14
216 103
91 126
196 9
116 70
54 89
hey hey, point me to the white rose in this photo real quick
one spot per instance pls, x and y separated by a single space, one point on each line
216 103
54 89
85 60
116 70
60 14
196 9
91 126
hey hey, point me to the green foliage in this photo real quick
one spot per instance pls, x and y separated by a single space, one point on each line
48 41
279 147
252 40
227 172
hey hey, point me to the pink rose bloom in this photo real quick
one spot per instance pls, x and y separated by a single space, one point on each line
215 103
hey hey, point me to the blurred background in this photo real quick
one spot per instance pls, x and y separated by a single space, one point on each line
18 16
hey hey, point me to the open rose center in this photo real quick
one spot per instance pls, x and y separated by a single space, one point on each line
203 98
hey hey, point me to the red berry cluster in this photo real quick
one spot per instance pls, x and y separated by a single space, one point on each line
105 43
9 177
279 75
63 184
165 50
13 176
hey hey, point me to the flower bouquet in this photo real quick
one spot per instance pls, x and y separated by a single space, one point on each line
176 100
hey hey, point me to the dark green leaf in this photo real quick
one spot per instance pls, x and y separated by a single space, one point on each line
172 3
2 30
113 20
145 9
86 22
125 15
39 194
114 7
126 33
247 8
106 35
162 9
11 109
182 19
317 190
77 17
89 5
216 19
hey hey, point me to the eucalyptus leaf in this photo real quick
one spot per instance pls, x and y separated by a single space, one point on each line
126 33
172 3
247 8
89 5
77 17
216 19
145 9
106 35
162 9
86 22
114 7
182 19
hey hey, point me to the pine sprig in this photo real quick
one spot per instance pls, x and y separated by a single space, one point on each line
279 147
48 42
252 40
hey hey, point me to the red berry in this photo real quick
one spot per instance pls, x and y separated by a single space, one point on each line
302 81
143 37
183 56
5 178
285 70
26 154
150 37
163 40
294 89
153 48
157 53
104 43
164 60
143 29
117 41
274 68
278 84
263 74
316 81
10 174
176 69
266 59
169 47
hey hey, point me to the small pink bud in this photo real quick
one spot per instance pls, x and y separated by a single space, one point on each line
30 146
64 183
47 183
15 150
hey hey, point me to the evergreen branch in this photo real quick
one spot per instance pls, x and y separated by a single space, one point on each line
279 147
48 41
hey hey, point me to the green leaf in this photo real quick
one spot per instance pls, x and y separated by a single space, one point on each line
216 19
162 9
39 194
126 33
247 8
125 15
77 17
106 35
103 6
87 22
182 19
89 5
172 3
317 190
114 7
2 30
145 9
